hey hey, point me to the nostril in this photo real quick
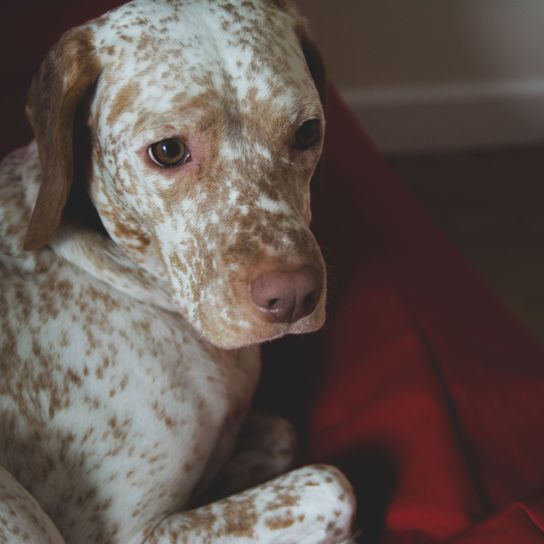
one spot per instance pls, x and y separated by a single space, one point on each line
286 297
309 302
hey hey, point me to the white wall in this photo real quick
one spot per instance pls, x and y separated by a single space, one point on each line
433 74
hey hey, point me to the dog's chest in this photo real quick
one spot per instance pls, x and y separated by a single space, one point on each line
116 407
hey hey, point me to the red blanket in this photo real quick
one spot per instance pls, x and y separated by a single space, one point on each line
432 396
421 387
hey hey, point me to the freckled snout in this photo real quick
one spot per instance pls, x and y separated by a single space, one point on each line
287 297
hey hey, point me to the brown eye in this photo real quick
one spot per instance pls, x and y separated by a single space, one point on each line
308 134
169 153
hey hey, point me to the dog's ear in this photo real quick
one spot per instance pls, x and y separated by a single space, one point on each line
67 73
317 70
315 63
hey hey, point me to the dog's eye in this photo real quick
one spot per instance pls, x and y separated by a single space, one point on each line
308 134
169 153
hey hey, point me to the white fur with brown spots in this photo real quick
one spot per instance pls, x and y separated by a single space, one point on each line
153 234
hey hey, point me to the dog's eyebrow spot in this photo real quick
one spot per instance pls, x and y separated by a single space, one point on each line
124 101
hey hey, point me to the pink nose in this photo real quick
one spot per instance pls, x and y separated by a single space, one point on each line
286 297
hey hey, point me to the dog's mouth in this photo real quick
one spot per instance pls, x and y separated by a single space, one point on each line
229 321
270 309
232 335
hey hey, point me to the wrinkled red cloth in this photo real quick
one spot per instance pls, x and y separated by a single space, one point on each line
421 386
427 376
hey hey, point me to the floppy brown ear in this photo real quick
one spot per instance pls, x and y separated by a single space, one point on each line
65 75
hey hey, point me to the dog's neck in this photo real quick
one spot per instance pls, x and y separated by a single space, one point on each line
96 253
102 258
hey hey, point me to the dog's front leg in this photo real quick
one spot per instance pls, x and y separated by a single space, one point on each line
311 505
266 447
21 517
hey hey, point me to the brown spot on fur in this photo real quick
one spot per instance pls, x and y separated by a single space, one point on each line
123 101
132 233
280 522
168 420
240 518
281 500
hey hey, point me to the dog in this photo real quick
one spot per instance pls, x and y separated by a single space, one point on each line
154 233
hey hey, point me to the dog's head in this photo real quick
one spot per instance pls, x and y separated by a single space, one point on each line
204 127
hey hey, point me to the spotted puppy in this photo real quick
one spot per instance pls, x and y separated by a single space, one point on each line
152 235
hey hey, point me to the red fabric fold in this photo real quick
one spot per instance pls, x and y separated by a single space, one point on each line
519 522
423 366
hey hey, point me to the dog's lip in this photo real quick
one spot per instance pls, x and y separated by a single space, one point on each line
268 332
308 324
